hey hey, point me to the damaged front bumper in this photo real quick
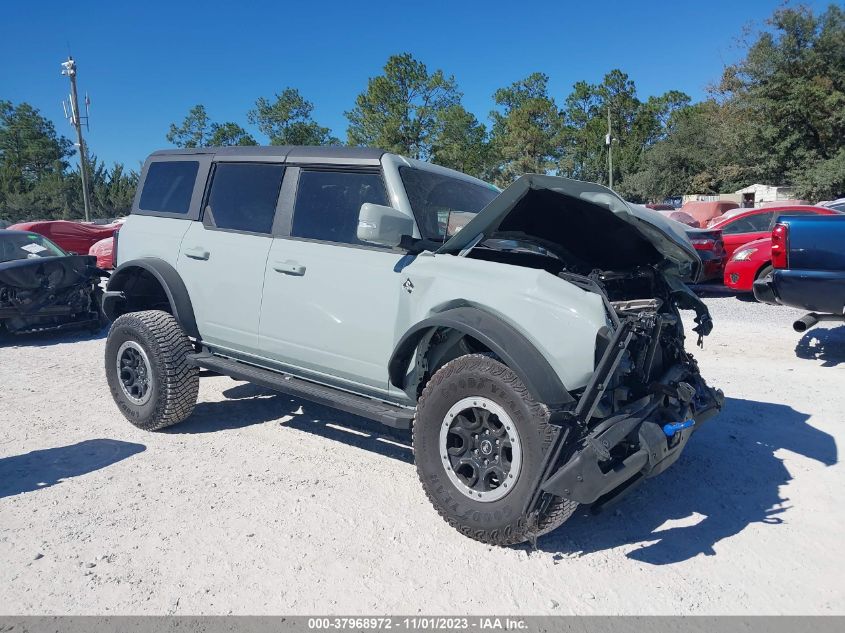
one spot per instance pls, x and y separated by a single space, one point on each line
598 455
592 476
46 294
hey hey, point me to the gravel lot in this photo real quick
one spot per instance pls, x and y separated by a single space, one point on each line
264 504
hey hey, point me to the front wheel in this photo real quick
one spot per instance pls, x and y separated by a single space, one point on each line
479 441
147 369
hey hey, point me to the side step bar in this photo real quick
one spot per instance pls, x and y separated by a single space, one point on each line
397 417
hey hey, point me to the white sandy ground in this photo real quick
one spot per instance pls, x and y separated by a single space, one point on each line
260 504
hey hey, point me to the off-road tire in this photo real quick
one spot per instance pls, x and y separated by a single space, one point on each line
501 522
174 383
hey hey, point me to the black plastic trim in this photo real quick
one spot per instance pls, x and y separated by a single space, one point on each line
171 282
386 413
515 351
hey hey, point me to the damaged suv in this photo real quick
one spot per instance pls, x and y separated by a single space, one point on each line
531 338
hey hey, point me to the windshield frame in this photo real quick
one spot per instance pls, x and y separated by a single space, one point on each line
423 216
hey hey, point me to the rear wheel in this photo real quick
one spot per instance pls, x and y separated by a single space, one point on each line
479 441
147 370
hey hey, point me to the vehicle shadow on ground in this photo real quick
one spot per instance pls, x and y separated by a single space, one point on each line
248 404
45 468
728 478
824 344
45 339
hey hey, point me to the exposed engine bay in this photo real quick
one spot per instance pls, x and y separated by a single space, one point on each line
646 396
50 293
644 401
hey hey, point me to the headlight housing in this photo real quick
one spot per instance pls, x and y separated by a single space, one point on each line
743 254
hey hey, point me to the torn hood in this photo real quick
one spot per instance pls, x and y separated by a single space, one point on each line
592 226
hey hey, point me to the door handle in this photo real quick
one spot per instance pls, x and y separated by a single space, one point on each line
197 252
289 268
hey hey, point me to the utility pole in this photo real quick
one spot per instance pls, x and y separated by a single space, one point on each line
609 151
69 69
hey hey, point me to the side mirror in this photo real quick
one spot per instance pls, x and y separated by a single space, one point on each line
383 225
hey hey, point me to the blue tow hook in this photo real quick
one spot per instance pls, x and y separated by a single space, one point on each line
673 427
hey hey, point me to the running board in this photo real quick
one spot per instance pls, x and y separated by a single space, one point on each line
397 417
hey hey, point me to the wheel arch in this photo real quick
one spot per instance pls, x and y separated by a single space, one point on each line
496 335
143 284
761 268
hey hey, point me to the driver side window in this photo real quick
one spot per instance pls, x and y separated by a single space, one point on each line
328 203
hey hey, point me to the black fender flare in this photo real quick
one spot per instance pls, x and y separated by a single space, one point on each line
515 351
170 281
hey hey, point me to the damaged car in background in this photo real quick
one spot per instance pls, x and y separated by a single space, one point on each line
530 338
44 288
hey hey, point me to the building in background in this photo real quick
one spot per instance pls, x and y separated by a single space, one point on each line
749 197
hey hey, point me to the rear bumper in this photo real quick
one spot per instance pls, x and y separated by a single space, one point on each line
816 291
764 291
712 266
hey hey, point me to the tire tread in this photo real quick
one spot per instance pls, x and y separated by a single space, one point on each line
520 530
178 382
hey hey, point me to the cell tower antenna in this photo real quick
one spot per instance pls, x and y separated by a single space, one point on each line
76 119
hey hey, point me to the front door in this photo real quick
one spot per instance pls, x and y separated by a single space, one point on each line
222 258
746 229
331 301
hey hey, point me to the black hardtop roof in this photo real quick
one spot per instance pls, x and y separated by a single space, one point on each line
298 153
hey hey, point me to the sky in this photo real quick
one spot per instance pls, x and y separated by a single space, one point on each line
146 63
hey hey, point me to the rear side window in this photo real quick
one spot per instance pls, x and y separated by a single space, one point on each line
168 186
328 203
752 224
243 197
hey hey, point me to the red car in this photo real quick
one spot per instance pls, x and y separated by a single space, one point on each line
104 252
74 237
752 259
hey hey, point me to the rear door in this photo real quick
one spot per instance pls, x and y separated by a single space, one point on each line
222 258
330 300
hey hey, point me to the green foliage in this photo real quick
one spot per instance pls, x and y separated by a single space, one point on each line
821 180
193 131
404 110
34 179
527 127
224 134
197 130
789 93
461 143
776 117
635 127
112 190
288 120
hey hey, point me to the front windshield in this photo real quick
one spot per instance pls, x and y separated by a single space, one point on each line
442 204
15 246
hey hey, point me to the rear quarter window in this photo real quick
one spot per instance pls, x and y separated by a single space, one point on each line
169 186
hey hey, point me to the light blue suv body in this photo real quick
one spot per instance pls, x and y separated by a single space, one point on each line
350 276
